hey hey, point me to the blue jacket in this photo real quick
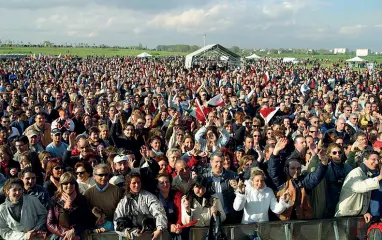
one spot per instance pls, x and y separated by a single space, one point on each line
279 176
335 177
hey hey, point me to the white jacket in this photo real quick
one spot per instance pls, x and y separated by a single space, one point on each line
146 204
256 204
33 217
356 193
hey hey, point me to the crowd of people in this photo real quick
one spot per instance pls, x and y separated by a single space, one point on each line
90 145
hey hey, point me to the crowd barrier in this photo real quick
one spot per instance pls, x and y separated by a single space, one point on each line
325 229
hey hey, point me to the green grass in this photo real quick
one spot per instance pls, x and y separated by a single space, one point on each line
83 52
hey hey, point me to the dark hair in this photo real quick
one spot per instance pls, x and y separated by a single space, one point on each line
25 171
87 166
23 139
128 179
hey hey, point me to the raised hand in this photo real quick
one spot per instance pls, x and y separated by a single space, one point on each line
280 145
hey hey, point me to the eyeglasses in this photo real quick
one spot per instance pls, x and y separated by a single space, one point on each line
57 168
336 152
80 173
256 126
316 105
313 131
180 134
102 175
67 183
256 135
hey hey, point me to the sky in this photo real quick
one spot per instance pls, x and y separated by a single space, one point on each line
245 23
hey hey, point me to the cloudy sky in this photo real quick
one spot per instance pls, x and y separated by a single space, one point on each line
245 23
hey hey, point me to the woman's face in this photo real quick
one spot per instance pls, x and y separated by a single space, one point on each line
162 166
164 184
199 191
4 157
81 174
135 185
57 171
180 136
248 164
227 163
104 133
155 144
15 193
69 187
239 155
211 136
258 182
188 144
335 154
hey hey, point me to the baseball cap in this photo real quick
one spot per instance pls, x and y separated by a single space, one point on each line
120 158
32 133
55 131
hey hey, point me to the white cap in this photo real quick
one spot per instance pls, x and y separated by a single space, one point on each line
119 158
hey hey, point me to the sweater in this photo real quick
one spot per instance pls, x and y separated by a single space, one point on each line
107 201
256 203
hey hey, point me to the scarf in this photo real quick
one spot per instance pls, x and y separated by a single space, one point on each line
15 208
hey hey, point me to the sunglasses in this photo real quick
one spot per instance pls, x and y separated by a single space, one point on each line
336 152
57 168
71 183
103 175
255 125
80 173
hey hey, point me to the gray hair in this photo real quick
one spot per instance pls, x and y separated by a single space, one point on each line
216 154
100 166
173 150
354 115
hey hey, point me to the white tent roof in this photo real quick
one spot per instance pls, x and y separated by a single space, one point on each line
356 59
144 54
253 56
290 59
212 48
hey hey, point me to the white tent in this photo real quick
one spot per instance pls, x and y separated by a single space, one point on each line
253 56
144 54
221 53
356 59
290 59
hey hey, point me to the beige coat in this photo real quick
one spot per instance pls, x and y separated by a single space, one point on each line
356 193
202 213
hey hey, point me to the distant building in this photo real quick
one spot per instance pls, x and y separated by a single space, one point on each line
340 50
362 52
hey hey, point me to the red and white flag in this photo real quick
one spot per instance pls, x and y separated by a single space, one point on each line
216 101
268 113
266 76
199 112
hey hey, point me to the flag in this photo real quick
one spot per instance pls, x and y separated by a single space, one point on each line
268 113
59 56
216 101
266 76
199 112
191 112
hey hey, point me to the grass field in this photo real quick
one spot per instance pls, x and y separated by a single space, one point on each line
83 52
109 52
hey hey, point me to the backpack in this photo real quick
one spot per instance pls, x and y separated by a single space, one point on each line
374 232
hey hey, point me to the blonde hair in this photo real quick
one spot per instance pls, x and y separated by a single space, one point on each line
256 172
244 159
66 177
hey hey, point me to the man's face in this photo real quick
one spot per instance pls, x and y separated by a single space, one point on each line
341 124
182 170
300 144
217 165
5 121
56 138
101 177
122 167
40 120
29 180
372 162
21 147
172 159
